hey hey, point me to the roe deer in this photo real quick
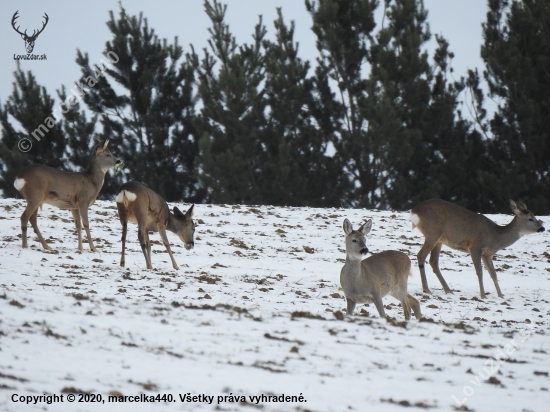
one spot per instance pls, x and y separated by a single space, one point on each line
76 191
442 222
139 204
369 280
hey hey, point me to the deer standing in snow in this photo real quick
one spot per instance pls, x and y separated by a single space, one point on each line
139 204
76 191
369 280
442 222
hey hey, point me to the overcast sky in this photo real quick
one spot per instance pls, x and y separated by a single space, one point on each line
81 25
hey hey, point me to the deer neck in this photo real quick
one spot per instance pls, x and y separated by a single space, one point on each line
353 265
171 225
96 175
508 234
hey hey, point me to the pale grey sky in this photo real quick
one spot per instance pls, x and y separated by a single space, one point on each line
81 25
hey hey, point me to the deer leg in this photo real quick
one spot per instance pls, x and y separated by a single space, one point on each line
162 232
30 210
143 238
24 223
400 293
406 307
350 305
123 217
488 260
78 224
415 305
148 247
84 215
123 239
434 263
377 300
25 216
143 244
476 259
421 257
34 223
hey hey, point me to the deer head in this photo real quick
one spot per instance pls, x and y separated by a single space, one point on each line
355 239
29 40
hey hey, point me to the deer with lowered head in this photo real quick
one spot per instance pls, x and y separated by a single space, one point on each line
369 280
444 223
139 204
76 191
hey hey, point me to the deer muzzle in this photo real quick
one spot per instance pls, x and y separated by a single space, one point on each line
364 251
542 229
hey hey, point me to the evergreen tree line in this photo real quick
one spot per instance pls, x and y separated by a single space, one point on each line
375 122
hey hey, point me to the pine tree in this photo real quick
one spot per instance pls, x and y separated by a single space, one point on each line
232 116
79 133
403 137
516 52
295 167
344 33
149 122
28 109
432 151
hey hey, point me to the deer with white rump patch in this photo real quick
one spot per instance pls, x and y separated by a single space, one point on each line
369 280
139 204
76 191
444 223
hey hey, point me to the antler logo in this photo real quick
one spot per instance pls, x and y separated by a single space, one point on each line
29 40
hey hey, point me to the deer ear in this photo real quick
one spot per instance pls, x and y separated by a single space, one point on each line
348 228
514 207
178 213
189 213
366 227
101 147
522 206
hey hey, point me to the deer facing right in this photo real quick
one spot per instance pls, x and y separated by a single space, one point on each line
369 280
442 222
76 191
139 204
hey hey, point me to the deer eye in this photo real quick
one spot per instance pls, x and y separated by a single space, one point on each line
354 240
530 220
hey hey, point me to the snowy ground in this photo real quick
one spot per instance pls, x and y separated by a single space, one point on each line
256 309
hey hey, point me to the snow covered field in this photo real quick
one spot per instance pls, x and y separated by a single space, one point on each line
256 310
